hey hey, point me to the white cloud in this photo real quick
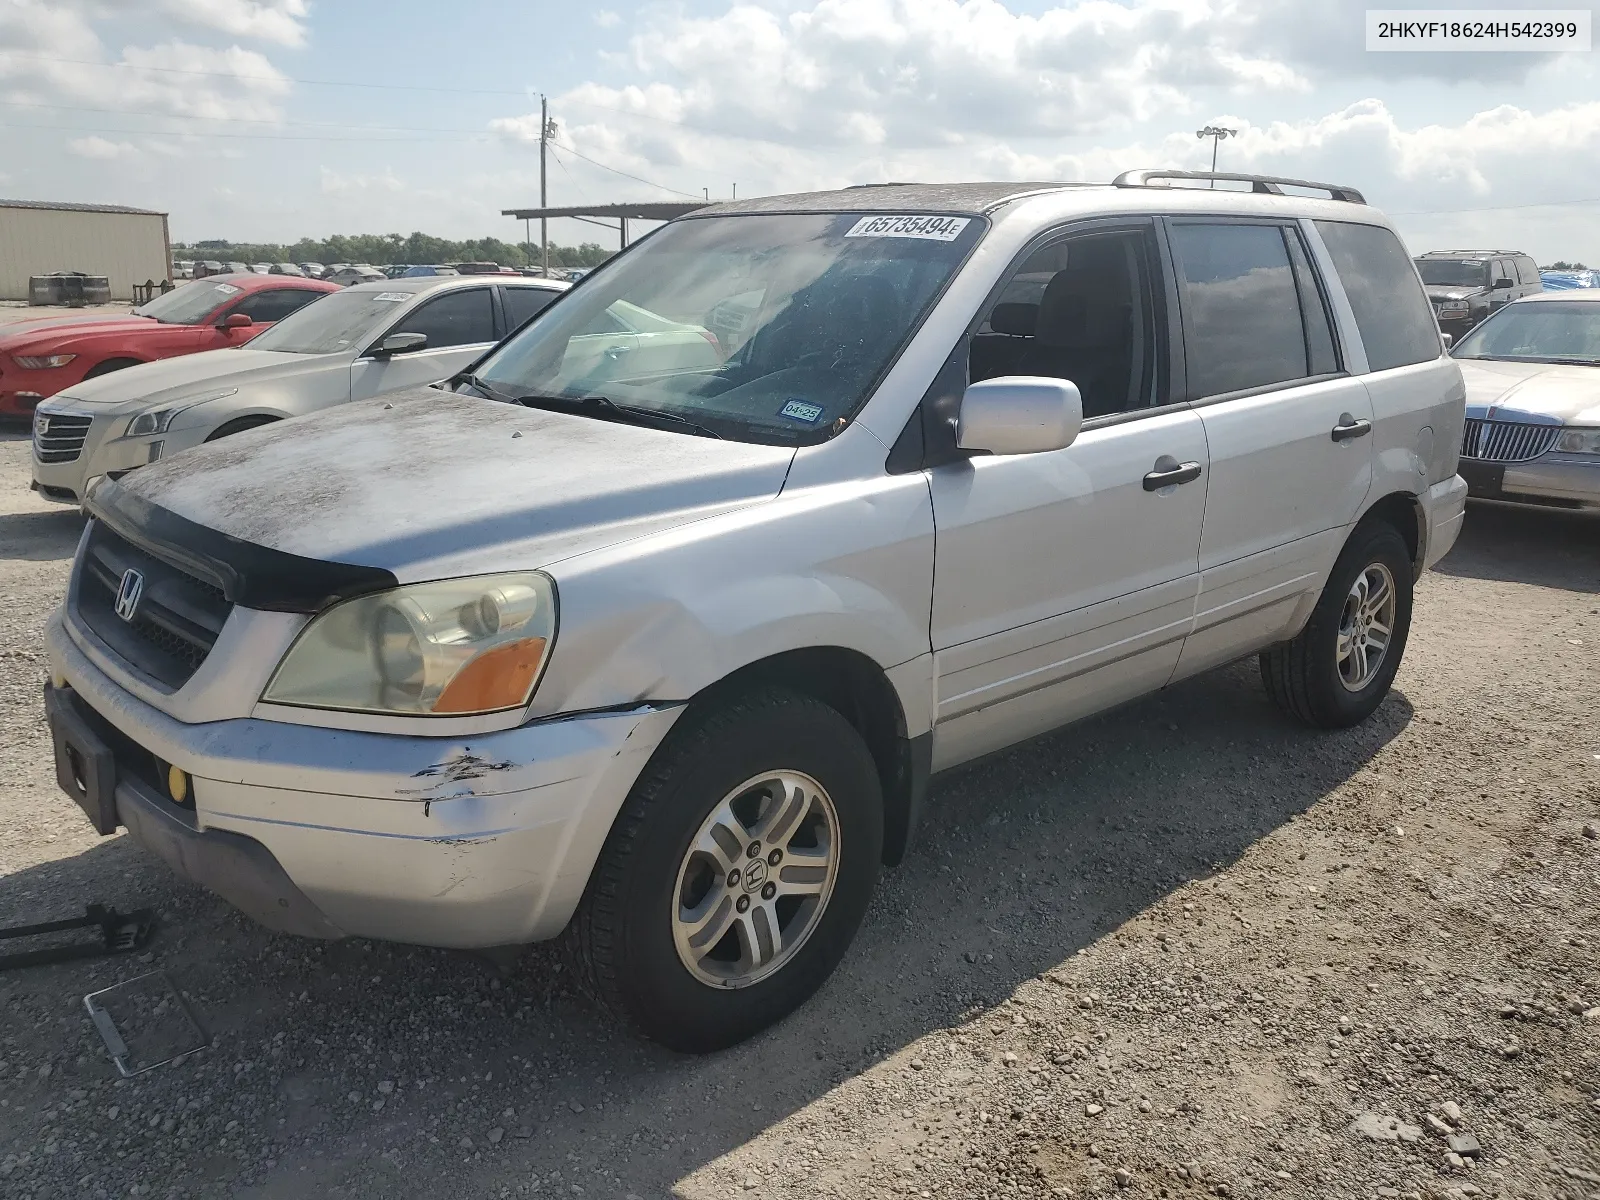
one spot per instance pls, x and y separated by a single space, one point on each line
98 147
280 21
607 19
51 53
338 183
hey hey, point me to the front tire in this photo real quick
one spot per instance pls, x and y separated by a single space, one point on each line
736 874
1340 667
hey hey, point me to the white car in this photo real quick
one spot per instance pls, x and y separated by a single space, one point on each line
667 665
1533 402
366 340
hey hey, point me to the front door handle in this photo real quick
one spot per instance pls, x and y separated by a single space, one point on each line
1169 471
1349 427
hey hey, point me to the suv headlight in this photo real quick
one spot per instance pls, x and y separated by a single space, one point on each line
1578 439
156 420
451 648
1453 306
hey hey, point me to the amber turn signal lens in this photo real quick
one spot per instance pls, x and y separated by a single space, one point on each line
498 678
177 785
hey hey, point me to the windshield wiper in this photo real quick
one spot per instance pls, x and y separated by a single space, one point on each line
634 414
471 380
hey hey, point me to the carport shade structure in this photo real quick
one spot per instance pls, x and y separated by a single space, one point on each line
621 213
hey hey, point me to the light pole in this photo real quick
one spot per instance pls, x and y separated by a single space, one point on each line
1216 133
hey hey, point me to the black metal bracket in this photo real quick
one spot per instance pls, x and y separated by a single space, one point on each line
119 933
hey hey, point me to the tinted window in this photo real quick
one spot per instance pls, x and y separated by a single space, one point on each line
455 319
1527 270
1321 356
1392 314
1448 272
1082 310
522 303
1241 307
276 304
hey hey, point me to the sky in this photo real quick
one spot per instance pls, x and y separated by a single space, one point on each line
271 120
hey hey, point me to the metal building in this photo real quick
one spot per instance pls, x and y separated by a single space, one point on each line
127 245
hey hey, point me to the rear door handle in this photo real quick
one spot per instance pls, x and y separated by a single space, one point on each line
1349 427
1169 472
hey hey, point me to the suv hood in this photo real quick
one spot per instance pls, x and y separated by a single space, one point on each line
428 484
1569 393
1439 291
175 379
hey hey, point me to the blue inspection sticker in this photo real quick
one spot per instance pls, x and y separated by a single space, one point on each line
799 410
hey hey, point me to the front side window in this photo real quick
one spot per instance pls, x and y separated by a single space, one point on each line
1244 326
1084 310
1556 331
1391 310
275 304
462 318
814 308
191 304
337 322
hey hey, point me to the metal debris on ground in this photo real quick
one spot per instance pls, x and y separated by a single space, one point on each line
156 1005
119 933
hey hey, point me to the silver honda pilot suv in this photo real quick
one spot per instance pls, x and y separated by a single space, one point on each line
658 652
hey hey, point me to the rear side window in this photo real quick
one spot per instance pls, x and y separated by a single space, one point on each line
275 304
1241 307
524 302
455 319
1392 313
1527 270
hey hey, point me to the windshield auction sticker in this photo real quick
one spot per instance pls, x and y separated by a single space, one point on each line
1449 30
931 229
394 297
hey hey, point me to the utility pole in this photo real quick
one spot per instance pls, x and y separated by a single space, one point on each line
736 191
1216 133
544 141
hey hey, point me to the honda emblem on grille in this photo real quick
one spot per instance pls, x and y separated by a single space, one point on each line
129 592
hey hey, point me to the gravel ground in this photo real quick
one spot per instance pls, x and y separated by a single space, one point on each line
1183 949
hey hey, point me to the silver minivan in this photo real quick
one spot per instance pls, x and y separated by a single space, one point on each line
658 652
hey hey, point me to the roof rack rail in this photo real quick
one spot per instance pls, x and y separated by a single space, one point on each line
1266 185
1425 253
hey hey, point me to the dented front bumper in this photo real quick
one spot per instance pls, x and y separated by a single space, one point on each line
466 842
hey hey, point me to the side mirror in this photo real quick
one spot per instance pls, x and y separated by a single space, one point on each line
1019 414
1449 339
1501 282
400 343
236 321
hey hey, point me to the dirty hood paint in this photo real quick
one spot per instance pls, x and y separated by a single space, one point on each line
174 380
1567 393
428 484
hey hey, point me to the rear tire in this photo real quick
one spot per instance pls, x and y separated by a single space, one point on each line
238 425
644 938
1333 674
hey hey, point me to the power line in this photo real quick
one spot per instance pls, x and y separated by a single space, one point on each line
524 93
625 175
1445 212
123 112
259 137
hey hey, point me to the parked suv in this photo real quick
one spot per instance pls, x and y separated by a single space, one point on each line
1465 286
662 652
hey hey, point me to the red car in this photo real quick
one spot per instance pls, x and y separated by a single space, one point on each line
42 355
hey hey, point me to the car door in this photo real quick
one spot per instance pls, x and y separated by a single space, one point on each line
1288 429
459 324
1064 582
1501 270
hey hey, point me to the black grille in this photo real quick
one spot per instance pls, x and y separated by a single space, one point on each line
1506 441
58 438
176 621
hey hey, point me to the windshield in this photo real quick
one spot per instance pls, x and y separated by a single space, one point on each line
764 327
337 322
188 305
1453 272
1546 331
